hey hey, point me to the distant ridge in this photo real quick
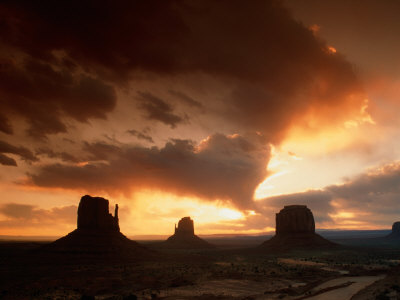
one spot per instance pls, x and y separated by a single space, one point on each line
326 233
30 238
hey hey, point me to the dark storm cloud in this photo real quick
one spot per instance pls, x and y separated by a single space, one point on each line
157 109
221 167
64 156
23 215
5 125
141 135
22 152
43 93
101 151
115 36
352 25
275 66
7 161
65 59
185 99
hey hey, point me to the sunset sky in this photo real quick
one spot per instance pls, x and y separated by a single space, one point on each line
224 111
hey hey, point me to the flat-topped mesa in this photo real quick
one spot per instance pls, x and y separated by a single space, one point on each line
395 231
93 214
295 229
185 227
295 219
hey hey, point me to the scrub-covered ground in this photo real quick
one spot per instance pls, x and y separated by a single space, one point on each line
343 273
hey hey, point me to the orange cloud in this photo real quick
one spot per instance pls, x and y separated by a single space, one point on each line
227 168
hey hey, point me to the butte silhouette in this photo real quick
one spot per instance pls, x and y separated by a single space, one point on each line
97 232
295 228
395 234
184 237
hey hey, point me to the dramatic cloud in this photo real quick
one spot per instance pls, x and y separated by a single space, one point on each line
376 192
141 135
7 161
5 125
157 109
369 38
227 168
185 99
174 70
43 93
22 152
276 68
64 156
371 197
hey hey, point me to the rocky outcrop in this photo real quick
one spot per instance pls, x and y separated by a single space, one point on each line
184 237
294 219
295 228
97 233
185 227
395 234
93 214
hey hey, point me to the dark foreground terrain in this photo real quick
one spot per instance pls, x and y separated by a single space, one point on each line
358 271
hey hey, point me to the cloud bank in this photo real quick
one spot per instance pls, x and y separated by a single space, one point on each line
30 216
226 168
64 64
371 197
277 70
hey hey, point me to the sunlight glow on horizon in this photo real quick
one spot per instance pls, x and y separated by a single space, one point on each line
157 212
293 164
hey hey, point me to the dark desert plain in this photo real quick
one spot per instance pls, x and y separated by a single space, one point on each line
200 149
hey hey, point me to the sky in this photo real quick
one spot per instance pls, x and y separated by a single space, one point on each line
224 111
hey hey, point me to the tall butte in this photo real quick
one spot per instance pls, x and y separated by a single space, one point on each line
93 215
97 231
295 228
184 237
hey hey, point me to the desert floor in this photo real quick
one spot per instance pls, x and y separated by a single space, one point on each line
347 272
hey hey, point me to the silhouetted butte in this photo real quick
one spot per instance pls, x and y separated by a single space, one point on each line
184 237
97 232
295 228
395 234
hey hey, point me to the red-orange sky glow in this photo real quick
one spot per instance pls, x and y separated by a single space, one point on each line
224 111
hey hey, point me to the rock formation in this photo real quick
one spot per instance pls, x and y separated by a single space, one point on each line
97 232
185 227
295 228
395 234
184 237
294 219
93 214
